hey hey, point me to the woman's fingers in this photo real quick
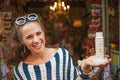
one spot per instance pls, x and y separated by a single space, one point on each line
103 64
91 63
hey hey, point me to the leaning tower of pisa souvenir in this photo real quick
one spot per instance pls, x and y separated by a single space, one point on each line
99 48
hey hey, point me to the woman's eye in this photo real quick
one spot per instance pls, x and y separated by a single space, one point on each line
28 37
38 33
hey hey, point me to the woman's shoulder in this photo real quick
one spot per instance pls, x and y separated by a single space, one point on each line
62 51
19 64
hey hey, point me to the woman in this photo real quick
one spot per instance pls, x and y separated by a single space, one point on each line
27 51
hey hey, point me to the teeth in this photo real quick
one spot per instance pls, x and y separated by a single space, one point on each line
38 45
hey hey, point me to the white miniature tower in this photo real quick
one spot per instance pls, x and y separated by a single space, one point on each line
99 48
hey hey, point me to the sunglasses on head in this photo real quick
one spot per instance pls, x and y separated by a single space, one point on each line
22 20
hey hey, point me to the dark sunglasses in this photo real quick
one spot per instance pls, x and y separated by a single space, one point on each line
22 20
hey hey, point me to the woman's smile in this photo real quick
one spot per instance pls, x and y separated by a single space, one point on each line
37 46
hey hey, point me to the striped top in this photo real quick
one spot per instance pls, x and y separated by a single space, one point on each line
60 67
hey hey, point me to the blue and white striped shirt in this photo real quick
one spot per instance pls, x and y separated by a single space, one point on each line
60 67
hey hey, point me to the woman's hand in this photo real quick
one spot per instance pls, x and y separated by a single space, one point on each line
88 62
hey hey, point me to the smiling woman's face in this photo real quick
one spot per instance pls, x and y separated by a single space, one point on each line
33 36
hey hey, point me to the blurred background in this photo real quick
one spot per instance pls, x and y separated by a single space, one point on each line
71 24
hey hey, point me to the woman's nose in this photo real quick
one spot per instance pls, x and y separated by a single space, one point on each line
36 39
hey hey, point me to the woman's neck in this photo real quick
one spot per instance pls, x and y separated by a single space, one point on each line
40 58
